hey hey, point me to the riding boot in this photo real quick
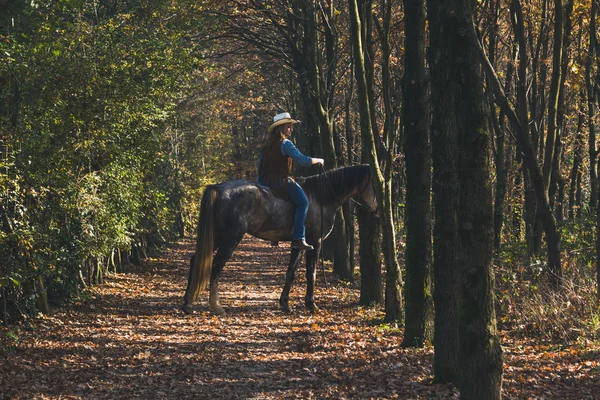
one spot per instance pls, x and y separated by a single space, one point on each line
300 244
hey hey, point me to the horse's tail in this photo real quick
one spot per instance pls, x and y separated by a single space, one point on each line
201 265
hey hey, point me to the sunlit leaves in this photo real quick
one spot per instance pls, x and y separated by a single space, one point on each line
90 90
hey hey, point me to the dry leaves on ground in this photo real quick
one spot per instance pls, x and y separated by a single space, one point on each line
130 340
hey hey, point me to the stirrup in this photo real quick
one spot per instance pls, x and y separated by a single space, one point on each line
300 244
274 243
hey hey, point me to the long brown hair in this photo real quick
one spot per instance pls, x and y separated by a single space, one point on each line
272 137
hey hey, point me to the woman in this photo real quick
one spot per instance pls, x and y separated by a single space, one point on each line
275 169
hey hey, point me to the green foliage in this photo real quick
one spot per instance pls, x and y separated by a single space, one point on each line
89 97
578 240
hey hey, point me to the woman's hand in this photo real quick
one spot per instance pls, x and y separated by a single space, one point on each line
318 161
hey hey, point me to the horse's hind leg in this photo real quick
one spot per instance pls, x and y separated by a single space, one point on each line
223 254
284 300
187 306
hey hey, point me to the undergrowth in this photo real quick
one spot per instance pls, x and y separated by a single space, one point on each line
528 305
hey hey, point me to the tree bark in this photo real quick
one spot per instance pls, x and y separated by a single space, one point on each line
523 114
575 175
347 208
553 100
41 296
342 266
369 230
445 199
557 181
537 110
462 156
369 250
418 297
593 96
393 299
498 125
591 109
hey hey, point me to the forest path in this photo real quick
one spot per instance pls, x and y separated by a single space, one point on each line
129 339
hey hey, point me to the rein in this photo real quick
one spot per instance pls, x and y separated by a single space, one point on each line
321 247
359 195
323 173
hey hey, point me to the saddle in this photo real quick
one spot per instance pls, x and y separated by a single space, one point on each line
281 194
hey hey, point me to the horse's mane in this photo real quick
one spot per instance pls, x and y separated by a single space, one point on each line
335 183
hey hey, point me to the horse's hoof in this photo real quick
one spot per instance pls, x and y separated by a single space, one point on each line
286 308
217 310
312 308
285 305
187 308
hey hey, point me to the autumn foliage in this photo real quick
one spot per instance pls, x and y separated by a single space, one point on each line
115 115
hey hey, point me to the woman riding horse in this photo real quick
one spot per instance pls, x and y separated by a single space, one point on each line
275 169
232 209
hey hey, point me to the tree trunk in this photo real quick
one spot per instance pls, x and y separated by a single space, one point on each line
498 125
499 163
575 175
341 267
556 183
393 300
557 186
480 353
445 200
41 296
349 223
463 198
347 208
369 251
553 100
537 108
369 231
4 308
366 30
598 252
591 109
530 214
592 97
539 68
418 297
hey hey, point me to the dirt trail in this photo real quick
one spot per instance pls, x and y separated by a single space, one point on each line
130 340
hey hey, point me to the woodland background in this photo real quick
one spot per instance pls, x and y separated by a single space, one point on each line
114 115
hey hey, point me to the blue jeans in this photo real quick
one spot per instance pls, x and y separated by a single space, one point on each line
297 196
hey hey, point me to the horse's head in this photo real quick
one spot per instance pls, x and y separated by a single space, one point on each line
367 195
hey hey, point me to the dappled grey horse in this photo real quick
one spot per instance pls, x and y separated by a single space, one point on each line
231 209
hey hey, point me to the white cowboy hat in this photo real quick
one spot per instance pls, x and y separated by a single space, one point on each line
281 119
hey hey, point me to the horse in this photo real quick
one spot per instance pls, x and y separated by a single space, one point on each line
233 208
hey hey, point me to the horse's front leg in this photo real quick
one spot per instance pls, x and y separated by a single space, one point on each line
311 274
284 300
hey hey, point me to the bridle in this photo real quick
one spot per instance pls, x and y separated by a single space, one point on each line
362 205
360 193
